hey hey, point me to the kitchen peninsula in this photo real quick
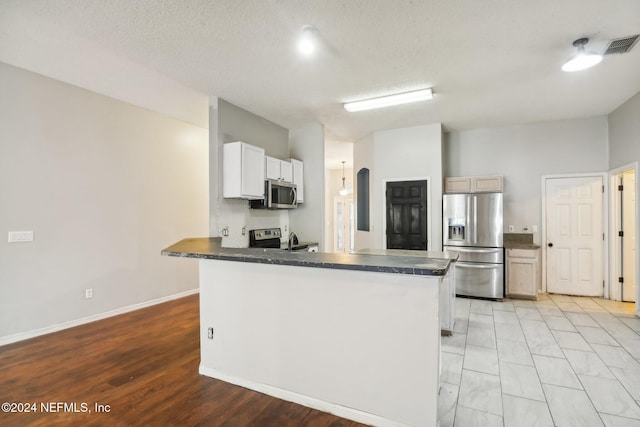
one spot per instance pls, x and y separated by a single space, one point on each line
357 335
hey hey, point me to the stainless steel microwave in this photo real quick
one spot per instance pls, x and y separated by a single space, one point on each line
277 195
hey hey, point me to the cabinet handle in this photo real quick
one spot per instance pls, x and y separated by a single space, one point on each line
550 245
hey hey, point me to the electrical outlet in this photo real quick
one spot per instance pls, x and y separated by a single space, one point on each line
511 229
244 230
525 229
210 333
225 231
88 293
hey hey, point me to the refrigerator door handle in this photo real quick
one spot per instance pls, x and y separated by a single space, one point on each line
474 250
467 219
475 219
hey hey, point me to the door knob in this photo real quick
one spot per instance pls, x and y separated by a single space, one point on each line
550 245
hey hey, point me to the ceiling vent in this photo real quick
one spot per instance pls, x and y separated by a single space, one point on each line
622 45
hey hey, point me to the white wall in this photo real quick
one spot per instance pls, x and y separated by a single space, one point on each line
307 221
236 124
105 186
523 154
401 154
624 133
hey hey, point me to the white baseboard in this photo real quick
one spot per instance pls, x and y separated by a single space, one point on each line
301 399
66 325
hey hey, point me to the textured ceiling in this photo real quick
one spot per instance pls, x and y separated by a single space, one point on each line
490 63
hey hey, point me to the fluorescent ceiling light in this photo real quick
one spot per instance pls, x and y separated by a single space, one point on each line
386 101
583 59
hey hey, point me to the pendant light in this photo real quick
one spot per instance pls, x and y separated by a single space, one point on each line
583 59
343 191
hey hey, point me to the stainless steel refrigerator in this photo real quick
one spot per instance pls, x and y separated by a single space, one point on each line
472 226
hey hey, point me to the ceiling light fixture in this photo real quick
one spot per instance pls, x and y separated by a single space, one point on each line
387 101
583 59
308 40
343 191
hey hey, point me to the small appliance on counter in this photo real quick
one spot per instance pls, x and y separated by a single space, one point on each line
472 226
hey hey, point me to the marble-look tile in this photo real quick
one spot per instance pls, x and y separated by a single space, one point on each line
481 307
521 381
451 367
477 320
560 298
505 317
614 421
559 323
514 352
481 392
569 306
631 345
570 407
447 399
502 306
462 306
460 326
587 363
610 397
581 319
556 372
632 322
586 302
509 331
549 310
523 303
525 313
481 337
467 417
543 298
596 335
571 340
453 344
481 359
614 356
539 338
519 412
630 379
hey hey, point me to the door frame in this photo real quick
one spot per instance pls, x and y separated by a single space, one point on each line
614 209
605 226
342 199
384 207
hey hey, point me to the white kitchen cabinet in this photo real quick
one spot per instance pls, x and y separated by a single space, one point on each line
278 169
298 178
486 184
523 274
242 171
473 184
455 185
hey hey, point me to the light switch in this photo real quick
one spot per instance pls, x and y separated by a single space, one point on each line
20 236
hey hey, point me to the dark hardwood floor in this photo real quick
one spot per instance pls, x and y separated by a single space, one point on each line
144 366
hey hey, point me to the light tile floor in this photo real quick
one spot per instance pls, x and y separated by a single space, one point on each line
559 361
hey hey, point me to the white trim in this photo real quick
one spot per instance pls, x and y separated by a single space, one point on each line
301 399
88 319
614 208
384 207
605 226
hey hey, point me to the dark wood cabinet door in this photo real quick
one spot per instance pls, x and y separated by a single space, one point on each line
407 215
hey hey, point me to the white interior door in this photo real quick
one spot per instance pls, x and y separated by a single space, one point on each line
629 237
574 233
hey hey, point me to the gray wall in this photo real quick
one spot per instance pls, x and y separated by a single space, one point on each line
624 133
307 221
105 186
236 124
523 154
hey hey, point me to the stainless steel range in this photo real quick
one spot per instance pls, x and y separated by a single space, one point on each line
265 238
472 226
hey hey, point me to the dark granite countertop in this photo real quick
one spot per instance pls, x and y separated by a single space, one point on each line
519 241
521 246
209 248
300 244
450 255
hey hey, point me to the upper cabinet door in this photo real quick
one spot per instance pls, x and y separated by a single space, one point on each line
457 185
487 184
298 178
242 171
272 168
286 171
